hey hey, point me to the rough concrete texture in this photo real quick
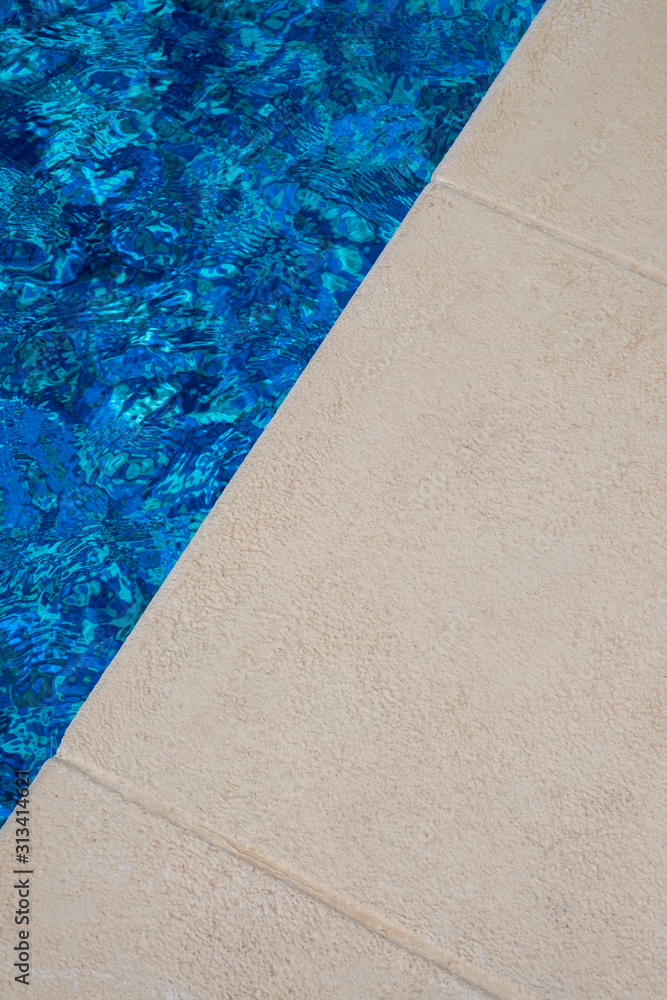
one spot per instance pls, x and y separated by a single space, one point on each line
412 666
127 907
416 653
573 131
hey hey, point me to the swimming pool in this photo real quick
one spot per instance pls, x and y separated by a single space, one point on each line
190 192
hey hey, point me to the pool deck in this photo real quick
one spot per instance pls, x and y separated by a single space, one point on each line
394 728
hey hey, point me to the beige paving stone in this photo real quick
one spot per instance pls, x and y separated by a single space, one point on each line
415 656
127 905
573 131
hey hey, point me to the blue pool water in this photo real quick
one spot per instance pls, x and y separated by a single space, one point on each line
190 192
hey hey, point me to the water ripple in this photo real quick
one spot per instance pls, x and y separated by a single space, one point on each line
190 192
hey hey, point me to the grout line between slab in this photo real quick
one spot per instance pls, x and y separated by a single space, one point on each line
513 212
389 929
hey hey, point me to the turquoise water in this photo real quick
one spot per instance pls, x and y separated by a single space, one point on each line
190 192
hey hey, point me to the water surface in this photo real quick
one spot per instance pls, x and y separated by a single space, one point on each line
190 192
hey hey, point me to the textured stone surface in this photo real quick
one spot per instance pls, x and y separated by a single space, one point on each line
416 653
127 906
413 664
573 131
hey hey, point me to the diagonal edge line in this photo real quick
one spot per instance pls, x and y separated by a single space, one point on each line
513 212
367 918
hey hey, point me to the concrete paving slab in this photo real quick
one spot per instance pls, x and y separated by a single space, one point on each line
414 659
572 133
124 905
399 710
